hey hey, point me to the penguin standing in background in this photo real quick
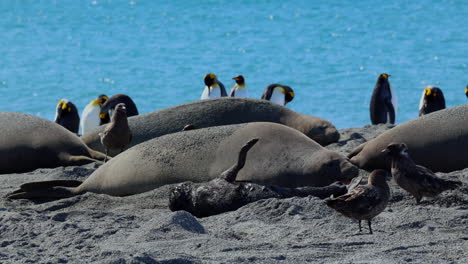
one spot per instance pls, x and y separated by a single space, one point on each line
107 108
383 105
90 119
432 100
466 90
66 115
278 93
213 88
239 90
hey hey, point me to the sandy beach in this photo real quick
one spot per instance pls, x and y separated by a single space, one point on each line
95 228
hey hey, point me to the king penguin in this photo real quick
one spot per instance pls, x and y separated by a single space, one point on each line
466 90
278 93
432 99
90 117
213 88
239 89
107 108
66 115
383 105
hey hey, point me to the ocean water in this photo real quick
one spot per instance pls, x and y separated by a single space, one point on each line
329 52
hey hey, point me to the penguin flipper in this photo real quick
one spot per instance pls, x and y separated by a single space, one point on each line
391 111
223 90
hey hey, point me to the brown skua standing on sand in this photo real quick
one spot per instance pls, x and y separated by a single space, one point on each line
364 202
117 134
417 180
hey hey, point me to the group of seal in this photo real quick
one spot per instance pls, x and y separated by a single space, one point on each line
98 112
277 93
283 156
218 112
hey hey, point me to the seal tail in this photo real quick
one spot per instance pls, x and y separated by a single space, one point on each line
356 150
46 189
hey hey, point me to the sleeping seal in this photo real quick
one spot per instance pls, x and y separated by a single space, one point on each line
29 142
283 156
438 141
218 112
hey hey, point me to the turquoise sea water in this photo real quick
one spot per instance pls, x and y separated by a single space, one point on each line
329 52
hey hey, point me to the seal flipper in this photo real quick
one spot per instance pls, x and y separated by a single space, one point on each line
230 174
356 150
46 189
391 111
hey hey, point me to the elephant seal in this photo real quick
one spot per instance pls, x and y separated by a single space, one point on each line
29 142
219 112
438 141
283 156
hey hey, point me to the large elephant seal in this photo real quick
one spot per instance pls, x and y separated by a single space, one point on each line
219 112
29 142
283 156
438 141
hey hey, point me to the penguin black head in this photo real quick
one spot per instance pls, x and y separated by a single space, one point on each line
210 79
431 93
102 98
67 115
65 107
239 79
466 91
383 77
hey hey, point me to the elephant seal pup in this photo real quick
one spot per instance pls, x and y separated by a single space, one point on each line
219 112
29 142
283 157
415 179
223 194
438 141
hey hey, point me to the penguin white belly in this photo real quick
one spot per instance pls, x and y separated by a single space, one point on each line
215 92
277 97
90 118
421 101
241 92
